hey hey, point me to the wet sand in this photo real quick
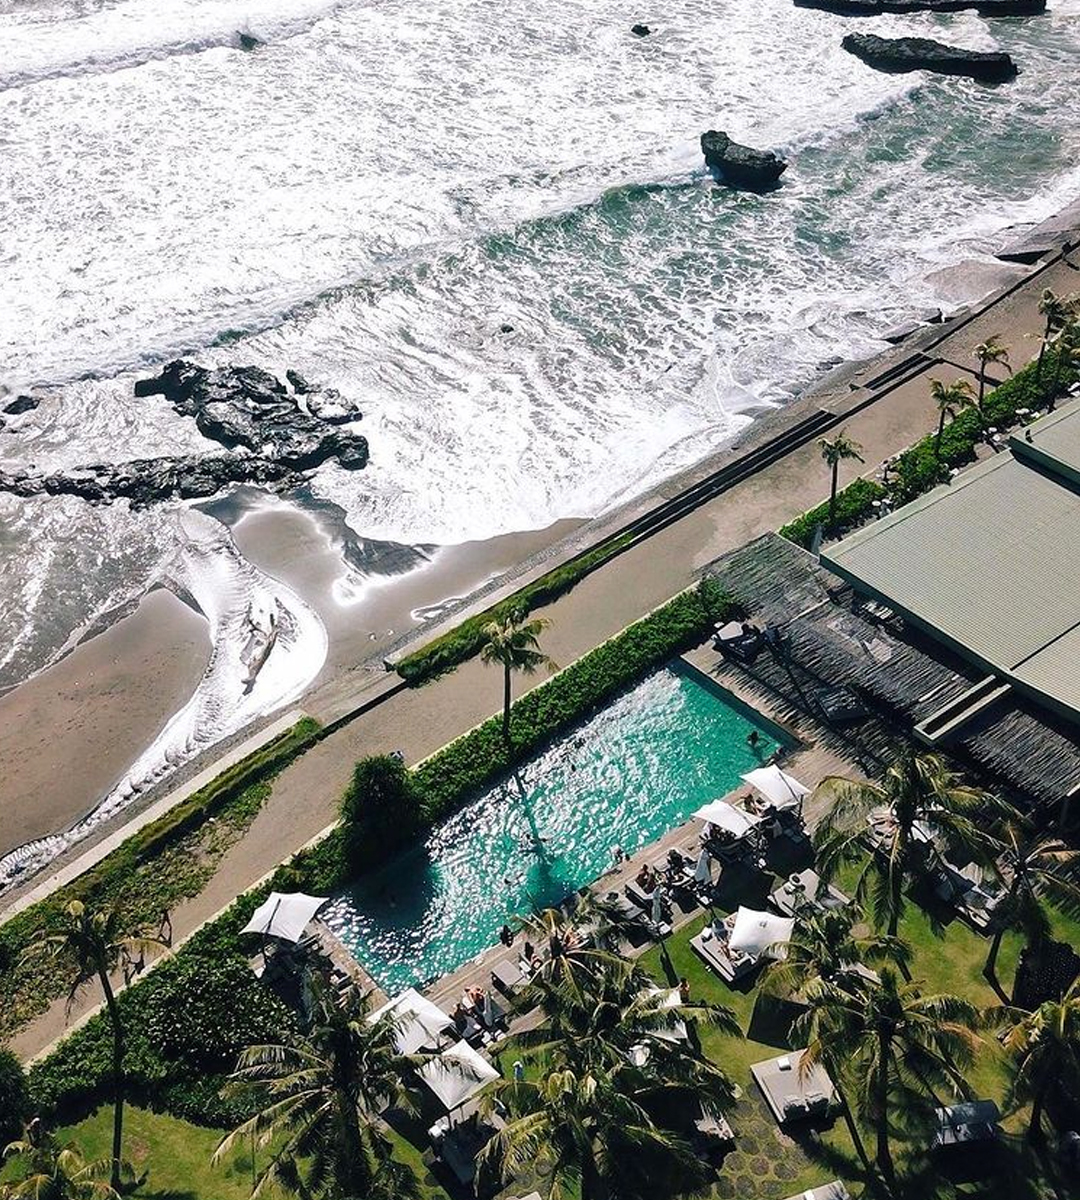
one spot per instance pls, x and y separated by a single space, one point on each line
69 733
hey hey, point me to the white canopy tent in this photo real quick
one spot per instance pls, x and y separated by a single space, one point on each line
760 934
420 1023
726 816
703 868
778 787
458 1074
284 915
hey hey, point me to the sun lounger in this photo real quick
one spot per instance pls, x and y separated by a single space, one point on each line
713 950
508 977
639 896
967 1124
793 1094
827 1191
805 890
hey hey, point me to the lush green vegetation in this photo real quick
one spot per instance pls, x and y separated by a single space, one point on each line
14 1097
165 862
929 461
465 641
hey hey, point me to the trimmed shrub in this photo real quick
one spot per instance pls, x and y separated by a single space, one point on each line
380 811
14 1098
853 506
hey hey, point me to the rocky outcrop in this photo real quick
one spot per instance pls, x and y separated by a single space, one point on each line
899 55
274 436
248 41
640 30
22 404
249 408
741 166
872 8
147 481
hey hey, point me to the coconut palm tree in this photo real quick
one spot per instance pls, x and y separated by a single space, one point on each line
1045 1045
918 803
950 398
1043 871
48 1171
95 944
604 1114
988 353
894 1044
835 451
1066 354
319 1101
1055 312
513 643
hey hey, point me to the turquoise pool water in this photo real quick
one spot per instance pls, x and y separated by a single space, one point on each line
625 777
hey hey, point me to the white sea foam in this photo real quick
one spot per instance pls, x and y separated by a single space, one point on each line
234 596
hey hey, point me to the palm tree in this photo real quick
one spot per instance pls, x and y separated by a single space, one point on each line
918 802
834 452
50 1171
319 1101
894 1044
514 644
1040 868
1067 354
95 943
602 1114
1046 1049
950 398
1055 312
992 351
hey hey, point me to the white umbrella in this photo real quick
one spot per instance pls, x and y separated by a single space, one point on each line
703 869
778 787
458 1074
760 933
726 816
284 915
419 1022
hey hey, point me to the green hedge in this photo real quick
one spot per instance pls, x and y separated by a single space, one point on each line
464 641
149 871
924 465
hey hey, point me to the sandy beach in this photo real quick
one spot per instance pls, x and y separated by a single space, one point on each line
68 734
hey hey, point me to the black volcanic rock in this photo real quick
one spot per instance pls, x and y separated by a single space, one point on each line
898 55
147 481
248 407
741 166
873 8
22 404
248 41
640 30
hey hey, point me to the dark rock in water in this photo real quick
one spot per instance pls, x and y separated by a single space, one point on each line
898 55
873 8
250 408
640 30
147 481
22 404
741 166
276 436
506 328
248 41
297 382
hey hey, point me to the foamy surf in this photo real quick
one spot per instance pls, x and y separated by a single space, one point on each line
267 646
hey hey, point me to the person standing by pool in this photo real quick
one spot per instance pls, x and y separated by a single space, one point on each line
506 935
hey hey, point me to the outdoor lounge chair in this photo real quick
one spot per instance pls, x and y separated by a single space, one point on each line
827 1191
714 952
793 1094
508 977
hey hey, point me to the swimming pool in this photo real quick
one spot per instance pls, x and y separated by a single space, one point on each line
626 776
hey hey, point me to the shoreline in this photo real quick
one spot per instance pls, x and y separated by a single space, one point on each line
291 543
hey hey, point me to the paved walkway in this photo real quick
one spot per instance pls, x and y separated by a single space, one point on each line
419 721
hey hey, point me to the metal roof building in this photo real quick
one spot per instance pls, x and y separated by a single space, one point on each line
990 564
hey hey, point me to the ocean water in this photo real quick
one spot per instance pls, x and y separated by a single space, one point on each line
486 220
625 777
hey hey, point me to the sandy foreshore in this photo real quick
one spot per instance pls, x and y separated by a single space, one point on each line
68 734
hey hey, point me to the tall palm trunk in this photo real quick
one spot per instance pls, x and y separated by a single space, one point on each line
990 969
507 700
884 1153
982 388
940 432
832 494
117 1075
1042 353
849 1117
590 1179
1035 1132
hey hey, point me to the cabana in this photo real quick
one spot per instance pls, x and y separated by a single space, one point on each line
760 934
284 915
792 1090
420 1023
724 815
778 787
457 1075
